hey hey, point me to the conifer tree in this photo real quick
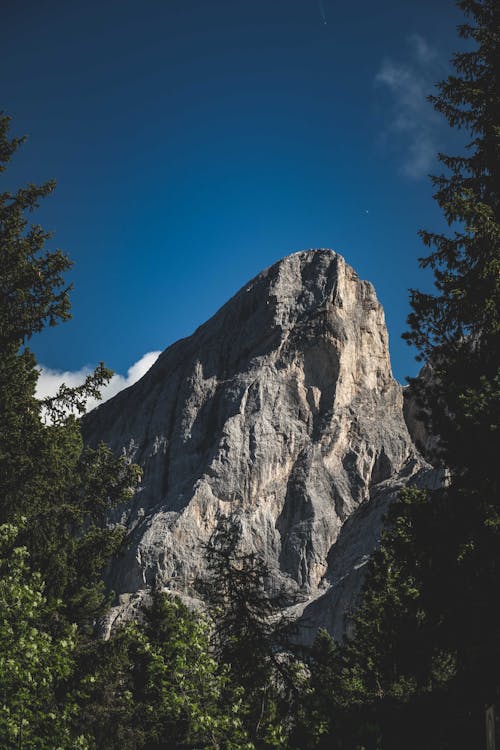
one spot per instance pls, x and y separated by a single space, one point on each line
457 330
425 659
46 475
157 686
249 634
54 494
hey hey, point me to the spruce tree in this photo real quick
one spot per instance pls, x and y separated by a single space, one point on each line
425 659
157 686
54 493
250 634
457 331
46 475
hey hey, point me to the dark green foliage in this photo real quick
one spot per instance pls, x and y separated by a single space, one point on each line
37 713
425 658
249 635
54 494
33 291
402 678
156 686
457 330
46 476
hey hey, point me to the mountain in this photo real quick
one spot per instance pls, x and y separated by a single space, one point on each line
282 409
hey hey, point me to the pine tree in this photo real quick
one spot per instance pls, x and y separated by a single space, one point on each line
250 634
46 475
457 330
425 659
54 494
397 682
157 686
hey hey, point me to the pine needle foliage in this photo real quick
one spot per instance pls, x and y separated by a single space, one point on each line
250 634
424 661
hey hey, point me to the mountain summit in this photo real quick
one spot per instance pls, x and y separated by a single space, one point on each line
281 408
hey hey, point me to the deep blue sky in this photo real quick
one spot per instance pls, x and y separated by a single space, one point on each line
195 142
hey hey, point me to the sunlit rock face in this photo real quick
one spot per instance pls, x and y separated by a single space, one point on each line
282 408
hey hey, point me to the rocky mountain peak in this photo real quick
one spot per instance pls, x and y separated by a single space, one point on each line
281 408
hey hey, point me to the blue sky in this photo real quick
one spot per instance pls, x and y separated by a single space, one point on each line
195 142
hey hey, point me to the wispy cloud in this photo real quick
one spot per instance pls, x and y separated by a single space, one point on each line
50 380
422 50
412 125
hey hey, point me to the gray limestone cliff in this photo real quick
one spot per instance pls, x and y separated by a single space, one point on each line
416 417
282 408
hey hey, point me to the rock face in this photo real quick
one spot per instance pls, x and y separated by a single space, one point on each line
281 408
426 442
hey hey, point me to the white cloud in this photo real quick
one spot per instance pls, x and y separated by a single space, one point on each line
50 380
422 49
412 124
